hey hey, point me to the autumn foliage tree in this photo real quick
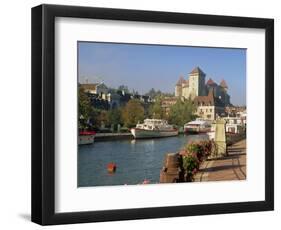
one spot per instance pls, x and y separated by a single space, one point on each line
133 113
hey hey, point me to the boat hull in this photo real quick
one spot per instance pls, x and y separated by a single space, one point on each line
142 133
196 130
86 139
211 135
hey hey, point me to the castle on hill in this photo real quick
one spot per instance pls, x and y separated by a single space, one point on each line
195 86
209 97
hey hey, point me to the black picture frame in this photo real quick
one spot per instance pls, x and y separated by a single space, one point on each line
43 114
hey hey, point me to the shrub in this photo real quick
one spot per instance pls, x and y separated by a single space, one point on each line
193 155
124 130
190 165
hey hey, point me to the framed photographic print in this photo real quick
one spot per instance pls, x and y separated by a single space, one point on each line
142 114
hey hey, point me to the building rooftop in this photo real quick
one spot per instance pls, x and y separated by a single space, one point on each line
223 84
186 83
89 86
181 81
210 82
209 100
197 70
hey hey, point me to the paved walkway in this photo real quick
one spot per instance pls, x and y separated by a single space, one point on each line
232 167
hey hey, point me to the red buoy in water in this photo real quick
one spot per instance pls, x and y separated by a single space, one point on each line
111 167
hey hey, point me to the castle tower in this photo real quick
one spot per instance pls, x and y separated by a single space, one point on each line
212 85
197 85
185 89
224 85
225 96
178 88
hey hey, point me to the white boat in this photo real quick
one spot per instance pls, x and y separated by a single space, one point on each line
152 128
211 135
86 137
198 126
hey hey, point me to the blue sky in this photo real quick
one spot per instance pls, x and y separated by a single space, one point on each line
142 67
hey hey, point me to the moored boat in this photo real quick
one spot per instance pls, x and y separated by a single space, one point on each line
152 128
197 126
86 137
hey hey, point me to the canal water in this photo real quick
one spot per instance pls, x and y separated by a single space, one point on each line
136 160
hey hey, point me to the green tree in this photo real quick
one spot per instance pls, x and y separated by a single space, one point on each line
102 118
154 94
182 112
115 116
123 88
151 93
86 111
132 113
84 104
155 109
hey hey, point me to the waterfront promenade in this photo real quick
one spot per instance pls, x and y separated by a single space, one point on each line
231 167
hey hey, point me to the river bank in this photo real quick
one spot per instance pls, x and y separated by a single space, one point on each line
231 138
113 136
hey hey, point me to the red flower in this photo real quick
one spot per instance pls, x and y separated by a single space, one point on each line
146 181
183 152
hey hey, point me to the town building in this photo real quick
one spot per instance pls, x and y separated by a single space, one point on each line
98 93
236 124
209 107
103 97
167 103
95 88
235 110
113 100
